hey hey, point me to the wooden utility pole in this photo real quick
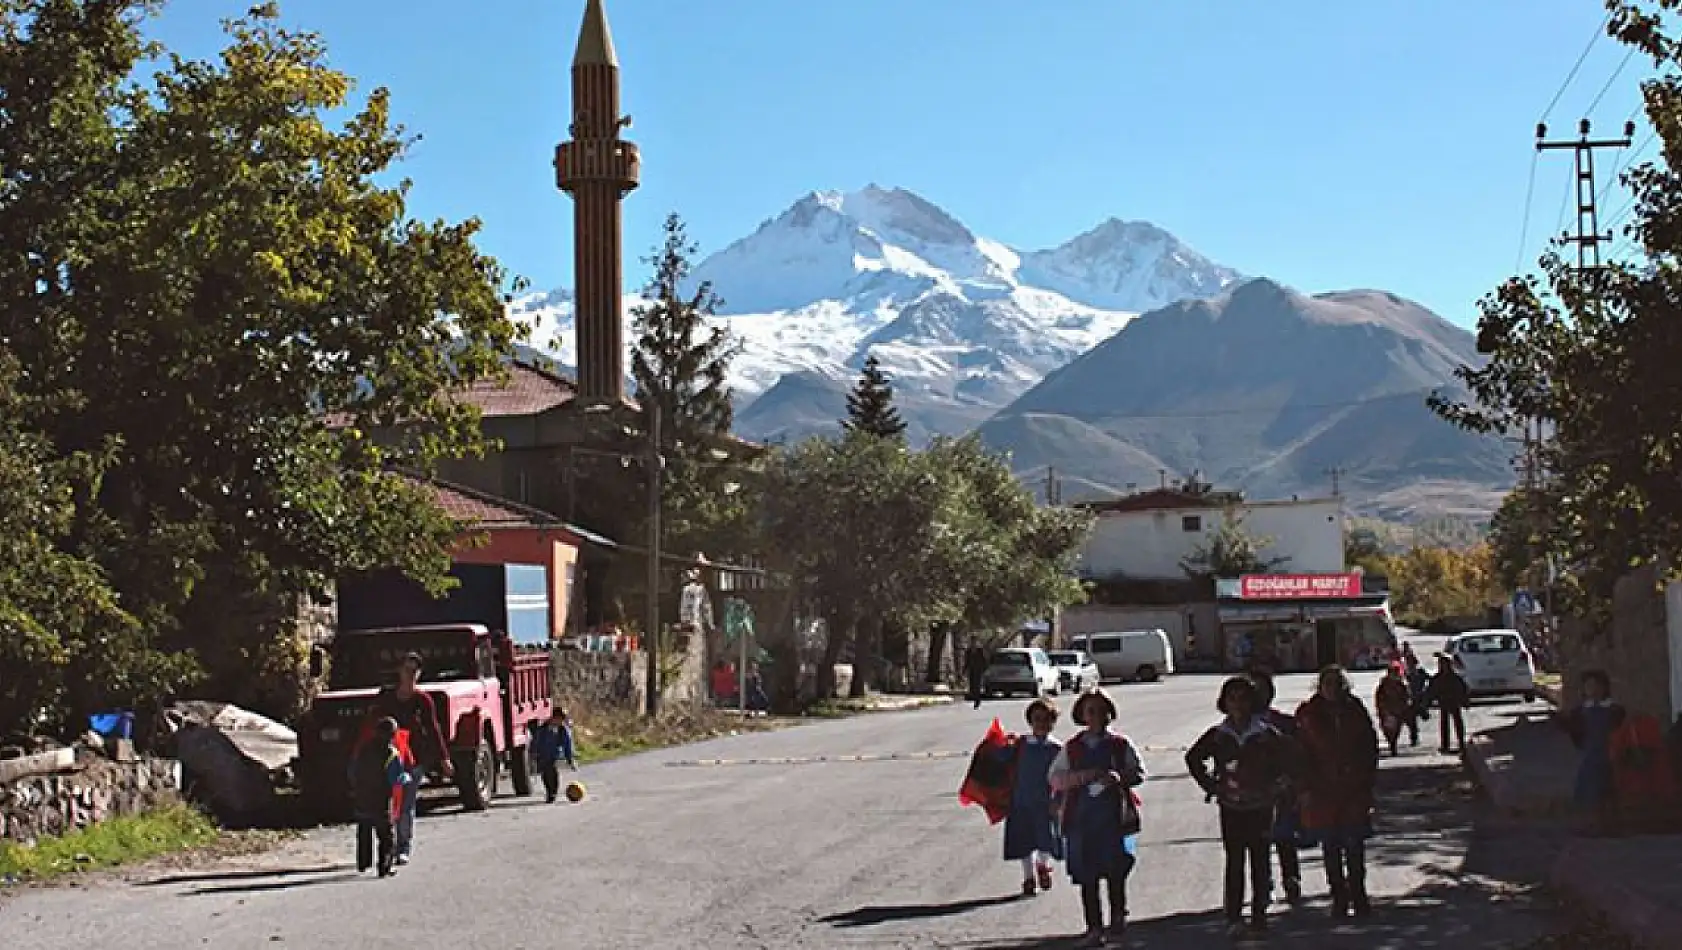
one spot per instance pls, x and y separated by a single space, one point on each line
1053 491
651 613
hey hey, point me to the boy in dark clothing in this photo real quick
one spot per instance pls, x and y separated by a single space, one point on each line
1448 692
1250 769
1287 816
377 780
550 744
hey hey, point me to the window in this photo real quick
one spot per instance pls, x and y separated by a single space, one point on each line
1191 523
1488 643
1107 645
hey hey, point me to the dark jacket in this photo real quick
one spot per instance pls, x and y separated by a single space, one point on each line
551 744
419 715
1448 691
1250 768
1339 762
376 772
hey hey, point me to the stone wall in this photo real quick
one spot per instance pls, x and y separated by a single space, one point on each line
600 680
97 789
1633 649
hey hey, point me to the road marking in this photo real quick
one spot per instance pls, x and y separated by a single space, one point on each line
864 757
819 759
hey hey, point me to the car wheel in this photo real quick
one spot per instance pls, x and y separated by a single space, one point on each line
1529 697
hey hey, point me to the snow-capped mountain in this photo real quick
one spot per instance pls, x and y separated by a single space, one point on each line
962 322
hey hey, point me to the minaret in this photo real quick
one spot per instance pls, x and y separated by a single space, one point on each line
597 168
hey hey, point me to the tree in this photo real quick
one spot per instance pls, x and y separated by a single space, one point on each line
1591 354
870 404
1231 551
213 294
1433 583
681 363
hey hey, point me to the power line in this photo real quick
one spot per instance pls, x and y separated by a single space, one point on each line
1292 407
1529 200
1610 80
1577 67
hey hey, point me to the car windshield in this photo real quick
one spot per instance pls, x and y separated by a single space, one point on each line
1487 643
1010 659
1066 659
370 660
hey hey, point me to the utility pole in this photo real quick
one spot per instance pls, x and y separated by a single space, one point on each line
1337 473
651 614
1053 492
1588 237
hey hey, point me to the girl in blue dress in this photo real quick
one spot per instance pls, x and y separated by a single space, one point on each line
1030 836
1591 726
1095 774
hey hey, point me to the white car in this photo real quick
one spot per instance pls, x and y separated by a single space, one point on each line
1494 663
1020 670
1075 670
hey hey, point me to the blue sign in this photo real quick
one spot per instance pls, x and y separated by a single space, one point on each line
1523 603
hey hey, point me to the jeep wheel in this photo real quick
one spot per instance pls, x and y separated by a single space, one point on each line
476 776
519 769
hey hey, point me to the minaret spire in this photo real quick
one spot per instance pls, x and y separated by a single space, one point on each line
595 40
598 169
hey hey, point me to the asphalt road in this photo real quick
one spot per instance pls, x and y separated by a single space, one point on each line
703 847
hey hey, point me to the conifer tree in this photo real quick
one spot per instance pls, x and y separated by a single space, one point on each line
870 405
681 364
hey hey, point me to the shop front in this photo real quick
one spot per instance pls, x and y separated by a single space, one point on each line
1299 623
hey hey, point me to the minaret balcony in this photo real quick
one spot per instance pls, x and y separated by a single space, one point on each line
588 161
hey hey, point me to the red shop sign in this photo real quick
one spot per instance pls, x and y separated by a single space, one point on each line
1298 586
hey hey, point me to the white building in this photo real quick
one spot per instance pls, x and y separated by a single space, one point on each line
1149 535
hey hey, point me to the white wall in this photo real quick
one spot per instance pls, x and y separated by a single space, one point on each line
1151 544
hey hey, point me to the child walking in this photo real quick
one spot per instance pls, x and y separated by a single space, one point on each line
1250 762
377 781
1029 833
1095 773
1394 705
1591 725
1287 814
551 743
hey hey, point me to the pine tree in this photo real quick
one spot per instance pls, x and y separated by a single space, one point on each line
681 364
870 406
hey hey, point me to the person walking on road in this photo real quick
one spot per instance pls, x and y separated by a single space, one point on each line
975 668
377 781
416 714
1339 769
551 744
1287 817
1394 706
1030 834
1095 774
1450 694
1249 762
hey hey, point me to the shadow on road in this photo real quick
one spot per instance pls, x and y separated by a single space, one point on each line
872 916
281 885
215 876
1483 880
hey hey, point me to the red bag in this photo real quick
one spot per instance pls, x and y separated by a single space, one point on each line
991 776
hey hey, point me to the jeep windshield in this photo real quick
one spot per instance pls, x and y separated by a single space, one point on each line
370 660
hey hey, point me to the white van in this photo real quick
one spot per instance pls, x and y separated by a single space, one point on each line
1143 655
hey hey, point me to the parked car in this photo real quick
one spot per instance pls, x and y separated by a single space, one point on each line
1143 655
1075 670
1494 663
1020 670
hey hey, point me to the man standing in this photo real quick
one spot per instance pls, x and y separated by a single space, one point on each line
975 667
417 716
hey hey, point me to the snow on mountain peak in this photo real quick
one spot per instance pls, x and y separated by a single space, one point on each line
953 316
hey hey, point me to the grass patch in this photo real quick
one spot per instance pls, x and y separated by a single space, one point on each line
601 735
122 840
1548 679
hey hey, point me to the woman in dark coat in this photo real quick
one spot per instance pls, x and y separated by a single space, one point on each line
1339 750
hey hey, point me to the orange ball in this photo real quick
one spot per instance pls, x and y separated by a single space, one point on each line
575 791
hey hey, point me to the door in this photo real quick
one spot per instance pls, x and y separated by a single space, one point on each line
1325 643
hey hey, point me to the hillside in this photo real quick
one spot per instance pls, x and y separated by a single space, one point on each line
1267 390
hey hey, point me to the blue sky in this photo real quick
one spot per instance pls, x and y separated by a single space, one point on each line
1382 143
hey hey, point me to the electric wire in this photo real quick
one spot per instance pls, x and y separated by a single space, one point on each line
1576 68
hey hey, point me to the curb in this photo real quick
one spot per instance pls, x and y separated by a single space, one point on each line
1651 924
1508 796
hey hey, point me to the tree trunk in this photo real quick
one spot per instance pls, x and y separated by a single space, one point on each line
938 636
838 629
867 650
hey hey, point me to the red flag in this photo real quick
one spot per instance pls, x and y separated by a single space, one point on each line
991 775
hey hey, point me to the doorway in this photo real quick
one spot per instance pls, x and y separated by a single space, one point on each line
1325 642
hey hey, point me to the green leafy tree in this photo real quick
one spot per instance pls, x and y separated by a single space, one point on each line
870 404
214 293
681 364
1232 551
1592 355
1433 583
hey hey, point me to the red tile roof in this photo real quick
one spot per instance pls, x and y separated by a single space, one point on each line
528 391
482 509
